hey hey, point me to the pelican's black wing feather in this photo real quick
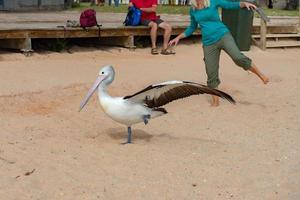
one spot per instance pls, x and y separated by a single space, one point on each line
158 95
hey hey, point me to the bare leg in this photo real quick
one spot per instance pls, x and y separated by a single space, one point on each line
233 51
167 33
153 33
215 101
256 71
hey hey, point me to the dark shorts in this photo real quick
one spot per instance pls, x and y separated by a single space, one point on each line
146 22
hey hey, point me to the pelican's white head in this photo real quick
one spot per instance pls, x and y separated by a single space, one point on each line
109 73
105 77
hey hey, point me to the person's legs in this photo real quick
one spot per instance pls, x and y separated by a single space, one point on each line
211 59
167 33
215 100
230 47
256 71
153 34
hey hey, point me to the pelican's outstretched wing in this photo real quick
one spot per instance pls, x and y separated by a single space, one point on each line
160 94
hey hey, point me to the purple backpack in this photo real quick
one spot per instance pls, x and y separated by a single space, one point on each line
88 18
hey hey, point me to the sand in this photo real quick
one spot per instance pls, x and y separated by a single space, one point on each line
48 150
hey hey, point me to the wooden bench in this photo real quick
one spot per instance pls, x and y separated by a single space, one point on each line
109 34
113 34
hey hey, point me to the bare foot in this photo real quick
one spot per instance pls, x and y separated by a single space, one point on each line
256 71
215 101
264 79
214 104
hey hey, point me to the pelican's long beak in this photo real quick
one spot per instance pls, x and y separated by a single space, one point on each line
91 91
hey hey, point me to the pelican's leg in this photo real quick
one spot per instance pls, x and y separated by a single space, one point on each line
146 118
129 135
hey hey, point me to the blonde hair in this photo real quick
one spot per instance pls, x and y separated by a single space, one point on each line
205 2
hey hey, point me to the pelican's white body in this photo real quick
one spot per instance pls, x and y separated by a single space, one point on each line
122 110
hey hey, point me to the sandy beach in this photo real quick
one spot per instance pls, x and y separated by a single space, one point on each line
247 151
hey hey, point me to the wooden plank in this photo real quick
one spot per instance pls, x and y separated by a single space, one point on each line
80 33
276 29
117 31
293 43
284 35
13 34
127 32
263 33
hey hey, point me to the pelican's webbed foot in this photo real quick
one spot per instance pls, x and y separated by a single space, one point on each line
146 118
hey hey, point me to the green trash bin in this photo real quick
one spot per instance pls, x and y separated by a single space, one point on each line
239 22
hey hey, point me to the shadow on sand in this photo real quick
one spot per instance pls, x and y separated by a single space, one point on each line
121 134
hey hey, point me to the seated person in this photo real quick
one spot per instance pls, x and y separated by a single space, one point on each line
149 18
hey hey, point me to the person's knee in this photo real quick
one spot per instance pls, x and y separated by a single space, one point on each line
153 26
168 28
243 62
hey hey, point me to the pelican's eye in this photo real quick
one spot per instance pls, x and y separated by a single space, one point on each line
102 72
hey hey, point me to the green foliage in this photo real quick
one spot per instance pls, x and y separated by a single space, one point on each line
123 8
75 5
184 10
280 12
173 9
58 45
105 8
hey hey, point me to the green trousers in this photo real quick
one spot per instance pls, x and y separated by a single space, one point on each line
212 58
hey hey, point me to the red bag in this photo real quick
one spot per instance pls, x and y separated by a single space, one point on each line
88 18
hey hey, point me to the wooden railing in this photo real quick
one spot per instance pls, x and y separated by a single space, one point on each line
263 28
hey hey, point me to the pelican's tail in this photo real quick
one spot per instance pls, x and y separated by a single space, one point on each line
157 112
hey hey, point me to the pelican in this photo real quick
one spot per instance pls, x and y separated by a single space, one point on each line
145 104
